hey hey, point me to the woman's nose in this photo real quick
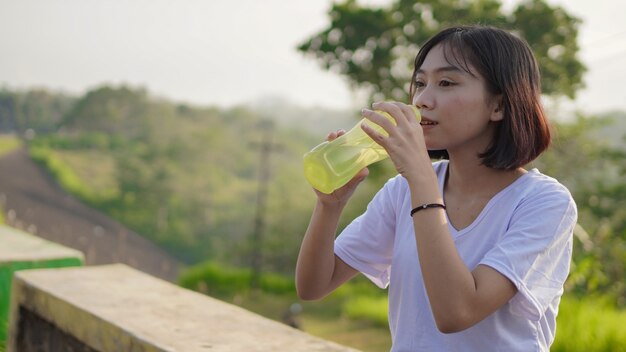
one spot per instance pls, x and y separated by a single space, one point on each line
424 99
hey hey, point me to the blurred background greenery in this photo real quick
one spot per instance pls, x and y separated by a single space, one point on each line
188 177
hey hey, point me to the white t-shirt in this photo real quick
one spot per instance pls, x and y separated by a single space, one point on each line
524 232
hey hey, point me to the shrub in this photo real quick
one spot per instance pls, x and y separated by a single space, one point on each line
221 280
277 284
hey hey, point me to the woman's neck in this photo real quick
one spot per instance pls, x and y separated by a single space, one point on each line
470 177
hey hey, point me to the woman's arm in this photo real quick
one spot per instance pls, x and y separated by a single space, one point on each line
319 271
459 298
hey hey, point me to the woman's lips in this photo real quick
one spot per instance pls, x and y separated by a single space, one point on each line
427 122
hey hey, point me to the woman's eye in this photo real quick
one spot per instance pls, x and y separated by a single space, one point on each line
445 83
419 84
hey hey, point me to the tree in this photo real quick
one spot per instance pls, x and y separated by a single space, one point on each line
110 110
36 109
375 47
7 111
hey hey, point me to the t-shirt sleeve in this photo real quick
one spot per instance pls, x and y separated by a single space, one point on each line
366 244
535 252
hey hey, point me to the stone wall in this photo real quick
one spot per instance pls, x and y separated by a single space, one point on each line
117 308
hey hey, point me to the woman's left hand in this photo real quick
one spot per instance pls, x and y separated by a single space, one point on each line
405 144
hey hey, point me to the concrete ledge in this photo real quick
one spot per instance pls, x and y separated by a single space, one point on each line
117 308
20 250
19 246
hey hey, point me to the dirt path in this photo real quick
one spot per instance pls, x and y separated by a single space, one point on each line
33 202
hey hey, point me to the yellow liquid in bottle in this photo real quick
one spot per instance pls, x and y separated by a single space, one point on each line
331 165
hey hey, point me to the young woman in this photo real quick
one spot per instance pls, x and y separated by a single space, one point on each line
475 249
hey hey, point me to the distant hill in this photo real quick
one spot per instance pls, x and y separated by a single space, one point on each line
317 120
615 130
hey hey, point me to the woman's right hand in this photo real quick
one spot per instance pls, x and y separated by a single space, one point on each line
341 195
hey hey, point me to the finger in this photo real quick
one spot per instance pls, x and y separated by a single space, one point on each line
378 119
334 135
409 112
359 177
392 109
373 134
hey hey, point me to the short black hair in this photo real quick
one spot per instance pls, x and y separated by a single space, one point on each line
510 69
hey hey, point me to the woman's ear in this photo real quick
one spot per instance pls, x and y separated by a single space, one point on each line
497 114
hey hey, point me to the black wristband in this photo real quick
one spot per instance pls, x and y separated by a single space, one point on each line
426 206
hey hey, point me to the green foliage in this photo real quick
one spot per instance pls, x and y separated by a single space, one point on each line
589 325
375 47
83 141
37 109
121 111
553 35
373 309
223 281
64 175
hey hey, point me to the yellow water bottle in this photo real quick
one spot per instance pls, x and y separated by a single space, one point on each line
332 164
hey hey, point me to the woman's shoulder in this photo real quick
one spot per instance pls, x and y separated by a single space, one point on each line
537 187
537 182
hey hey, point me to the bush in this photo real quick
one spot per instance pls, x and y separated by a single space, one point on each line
214 279
220 280
277 284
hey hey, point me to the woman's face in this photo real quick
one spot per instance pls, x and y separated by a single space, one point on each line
458 113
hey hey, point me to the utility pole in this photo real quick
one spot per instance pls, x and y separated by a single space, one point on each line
266 147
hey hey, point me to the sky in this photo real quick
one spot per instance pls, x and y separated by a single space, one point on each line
231 52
